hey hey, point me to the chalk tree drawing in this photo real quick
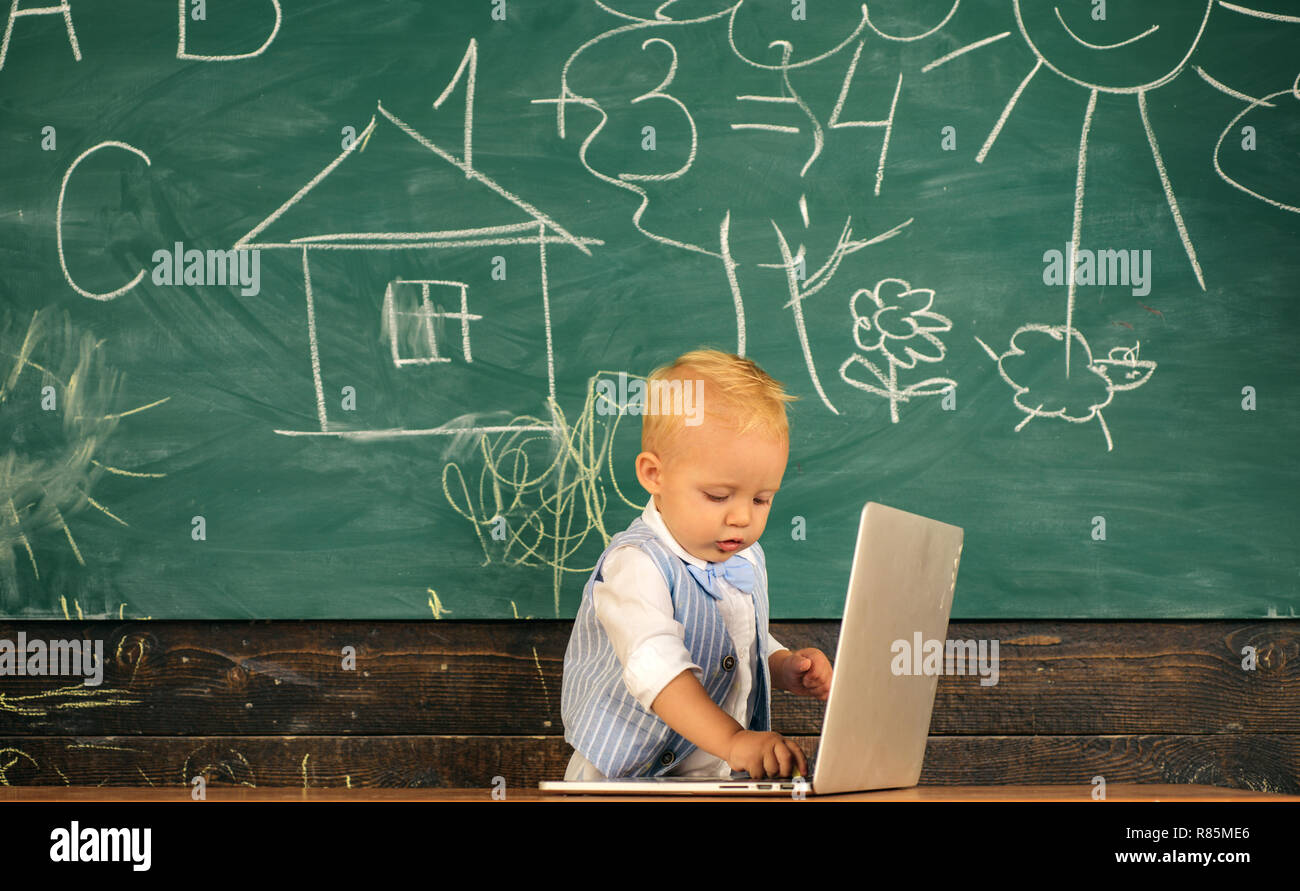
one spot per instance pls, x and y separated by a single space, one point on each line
781 109
407 325
52 461
538 498
894 320
1043 390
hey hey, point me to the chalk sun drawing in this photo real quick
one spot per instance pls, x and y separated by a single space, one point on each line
1129 65
1118 62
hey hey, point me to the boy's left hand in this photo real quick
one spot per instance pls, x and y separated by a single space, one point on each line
806 672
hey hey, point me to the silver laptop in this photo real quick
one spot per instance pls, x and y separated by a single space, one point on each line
878 714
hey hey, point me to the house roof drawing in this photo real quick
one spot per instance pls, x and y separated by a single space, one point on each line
521 222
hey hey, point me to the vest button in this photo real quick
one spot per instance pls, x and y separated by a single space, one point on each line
666 758
728 663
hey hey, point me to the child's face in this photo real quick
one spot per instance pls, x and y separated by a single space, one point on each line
715 489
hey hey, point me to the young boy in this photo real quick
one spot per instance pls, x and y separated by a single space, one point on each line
670 663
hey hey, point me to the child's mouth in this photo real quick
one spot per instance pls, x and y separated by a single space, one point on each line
729 544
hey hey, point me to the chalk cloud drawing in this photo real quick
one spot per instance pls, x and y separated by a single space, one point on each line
1043 390
895 320
1285 120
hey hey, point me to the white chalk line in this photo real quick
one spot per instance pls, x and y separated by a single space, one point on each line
1271 16
418 245
546 314
1006 112
398 432
1102 46
1223 88
1077 226
951 13
729 264
527 226
246 241
963 50
311 338
1169 191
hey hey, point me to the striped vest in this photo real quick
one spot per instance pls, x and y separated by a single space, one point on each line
602 720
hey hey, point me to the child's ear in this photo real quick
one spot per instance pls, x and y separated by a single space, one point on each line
648 472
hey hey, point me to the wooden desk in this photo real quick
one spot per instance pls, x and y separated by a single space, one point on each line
1036 793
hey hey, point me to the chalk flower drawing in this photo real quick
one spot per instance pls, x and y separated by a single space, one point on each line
894 320
1031 366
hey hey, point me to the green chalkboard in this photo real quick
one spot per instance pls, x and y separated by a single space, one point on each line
305 304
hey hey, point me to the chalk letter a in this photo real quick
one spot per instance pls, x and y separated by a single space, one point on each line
63 8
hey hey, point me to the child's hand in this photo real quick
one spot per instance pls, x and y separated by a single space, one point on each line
806 672
765 754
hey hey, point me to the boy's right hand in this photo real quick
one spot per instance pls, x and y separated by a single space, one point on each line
765 754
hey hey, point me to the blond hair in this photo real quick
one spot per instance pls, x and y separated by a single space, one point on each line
739 393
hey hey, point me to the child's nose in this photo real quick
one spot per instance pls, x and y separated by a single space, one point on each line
739 515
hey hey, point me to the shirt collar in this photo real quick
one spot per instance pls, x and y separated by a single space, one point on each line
655 521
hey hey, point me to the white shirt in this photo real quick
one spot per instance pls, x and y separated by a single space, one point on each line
635 608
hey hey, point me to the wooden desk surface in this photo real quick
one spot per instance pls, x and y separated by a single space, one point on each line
1039 793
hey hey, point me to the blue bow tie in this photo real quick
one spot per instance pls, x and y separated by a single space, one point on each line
738 572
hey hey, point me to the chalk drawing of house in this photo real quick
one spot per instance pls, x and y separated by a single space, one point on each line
404 309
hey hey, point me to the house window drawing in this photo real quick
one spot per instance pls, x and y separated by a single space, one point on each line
410 318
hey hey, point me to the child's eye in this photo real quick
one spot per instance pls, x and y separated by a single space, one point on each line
761 501
715 498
